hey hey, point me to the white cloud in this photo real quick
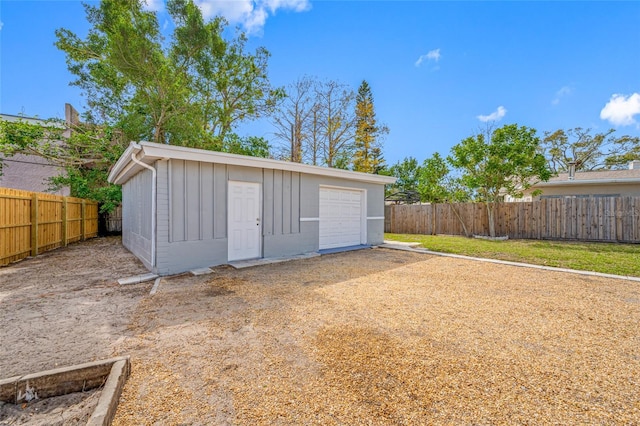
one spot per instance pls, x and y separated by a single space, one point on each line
154 5
250 14
432 55
295 5
620 109
494 116
564 91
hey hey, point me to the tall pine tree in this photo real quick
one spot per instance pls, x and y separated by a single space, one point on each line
368 145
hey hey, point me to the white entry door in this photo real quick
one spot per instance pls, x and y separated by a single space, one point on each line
340 217
244 220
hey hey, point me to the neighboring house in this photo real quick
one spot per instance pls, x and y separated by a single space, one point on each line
602 183
187 208
31 172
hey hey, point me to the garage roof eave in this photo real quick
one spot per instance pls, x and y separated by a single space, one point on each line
149 152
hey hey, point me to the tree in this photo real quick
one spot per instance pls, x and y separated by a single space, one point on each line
367 156
313 148
378 161
495 163
407 173
294 117
336 122
86 155
433 183
190 90
253 146
588 151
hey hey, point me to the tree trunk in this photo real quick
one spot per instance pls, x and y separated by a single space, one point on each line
457 213
492 223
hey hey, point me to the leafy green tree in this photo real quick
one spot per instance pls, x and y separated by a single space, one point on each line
191 90
253 146
433 183
378 161
589 151
407 173
367 156
495 163
86 154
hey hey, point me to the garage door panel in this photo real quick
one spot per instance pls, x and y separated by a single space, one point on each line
340 217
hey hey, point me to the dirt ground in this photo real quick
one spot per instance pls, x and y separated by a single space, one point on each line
367 337
73 409
62 308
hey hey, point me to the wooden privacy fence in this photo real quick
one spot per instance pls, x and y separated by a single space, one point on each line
614 219
34 222
113 221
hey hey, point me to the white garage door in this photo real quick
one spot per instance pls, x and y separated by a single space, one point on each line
340 217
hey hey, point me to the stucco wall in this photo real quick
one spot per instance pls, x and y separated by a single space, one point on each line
29 173
617 189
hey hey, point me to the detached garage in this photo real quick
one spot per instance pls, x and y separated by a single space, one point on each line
187 208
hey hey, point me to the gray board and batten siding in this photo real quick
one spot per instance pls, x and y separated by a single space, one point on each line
292 204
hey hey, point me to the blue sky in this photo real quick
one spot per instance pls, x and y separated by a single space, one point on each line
438 70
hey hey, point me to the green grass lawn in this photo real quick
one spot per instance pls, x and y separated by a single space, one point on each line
609 258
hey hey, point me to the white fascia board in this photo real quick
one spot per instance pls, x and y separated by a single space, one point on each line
124 164
151 152
629 181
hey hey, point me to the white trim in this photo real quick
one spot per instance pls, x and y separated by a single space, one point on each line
348 188
587 182
309 219
123 170
375 217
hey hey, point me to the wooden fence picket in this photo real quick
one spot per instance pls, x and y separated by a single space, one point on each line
34 222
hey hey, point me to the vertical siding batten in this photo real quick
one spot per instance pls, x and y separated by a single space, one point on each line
295 203
268 206
220 201
286 202
277 202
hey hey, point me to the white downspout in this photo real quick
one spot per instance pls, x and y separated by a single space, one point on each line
153 202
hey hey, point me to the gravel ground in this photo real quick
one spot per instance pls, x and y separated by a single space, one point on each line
368 337
385 337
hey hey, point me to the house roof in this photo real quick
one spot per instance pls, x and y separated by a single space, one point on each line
32 120
149 153
596 177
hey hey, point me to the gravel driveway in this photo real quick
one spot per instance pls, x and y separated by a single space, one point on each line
368 337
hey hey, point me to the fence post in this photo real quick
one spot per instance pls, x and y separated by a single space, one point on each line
64 222
34 224
82 226
432 208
